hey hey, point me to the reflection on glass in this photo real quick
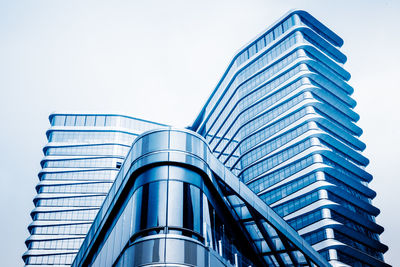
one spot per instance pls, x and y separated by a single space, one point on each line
182 251
58 120
175 204
100 121
150 206
90 120
155 142
80 121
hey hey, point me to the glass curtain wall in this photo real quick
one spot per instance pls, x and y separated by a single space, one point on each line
282 120
81 159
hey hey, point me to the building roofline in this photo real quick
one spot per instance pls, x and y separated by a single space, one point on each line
117 114
325 32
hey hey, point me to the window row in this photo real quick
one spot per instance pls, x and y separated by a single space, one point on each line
92 201
60 244
296 204
305 220
342 170
273 161
262 120
341 154
340 135
278 175
344 203
63 259
76 188
80 175
235 121
265 133
266 117
350 260
288 189
338 92
91 137
242 92
347 188
251 69
334 121
272 145
334 94
353 225
353 243
315 237
269 37
72 215
83 163
339 114
70 229
265 40
268 57
91 150
308 40
103 121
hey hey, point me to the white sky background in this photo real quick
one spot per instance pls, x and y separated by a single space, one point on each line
160 60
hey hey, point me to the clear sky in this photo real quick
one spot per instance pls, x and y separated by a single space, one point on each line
160 60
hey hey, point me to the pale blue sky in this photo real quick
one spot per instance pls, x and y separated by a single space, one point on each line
160 60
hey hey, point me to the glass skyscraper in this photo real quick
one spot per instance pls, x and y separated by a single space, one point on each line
282 119
81 159
270 173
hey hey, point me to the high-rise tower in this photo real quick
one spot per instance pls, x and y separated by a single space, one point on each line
282 119
81 159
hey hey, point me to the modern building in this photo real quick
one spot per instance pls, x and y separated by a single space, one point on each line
174 203
81 160
270 173
281 118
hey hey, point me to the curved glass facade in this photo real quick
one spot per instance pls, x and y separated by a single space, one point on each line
174 203
282 119
81 160
169 216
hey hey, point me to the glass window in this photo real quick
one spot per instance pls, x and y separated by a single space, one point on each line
153 174
90 120
252 50
58 120
151 206
70 120
184 206
155 142
100 121
183 174
175 204
111 121
137 208
269 38
156 214
182 251
80 121
147 252
260 44
278 31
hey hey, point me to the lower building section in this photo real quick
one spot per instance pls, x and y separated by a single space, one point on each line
173 251
174 203
171 217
